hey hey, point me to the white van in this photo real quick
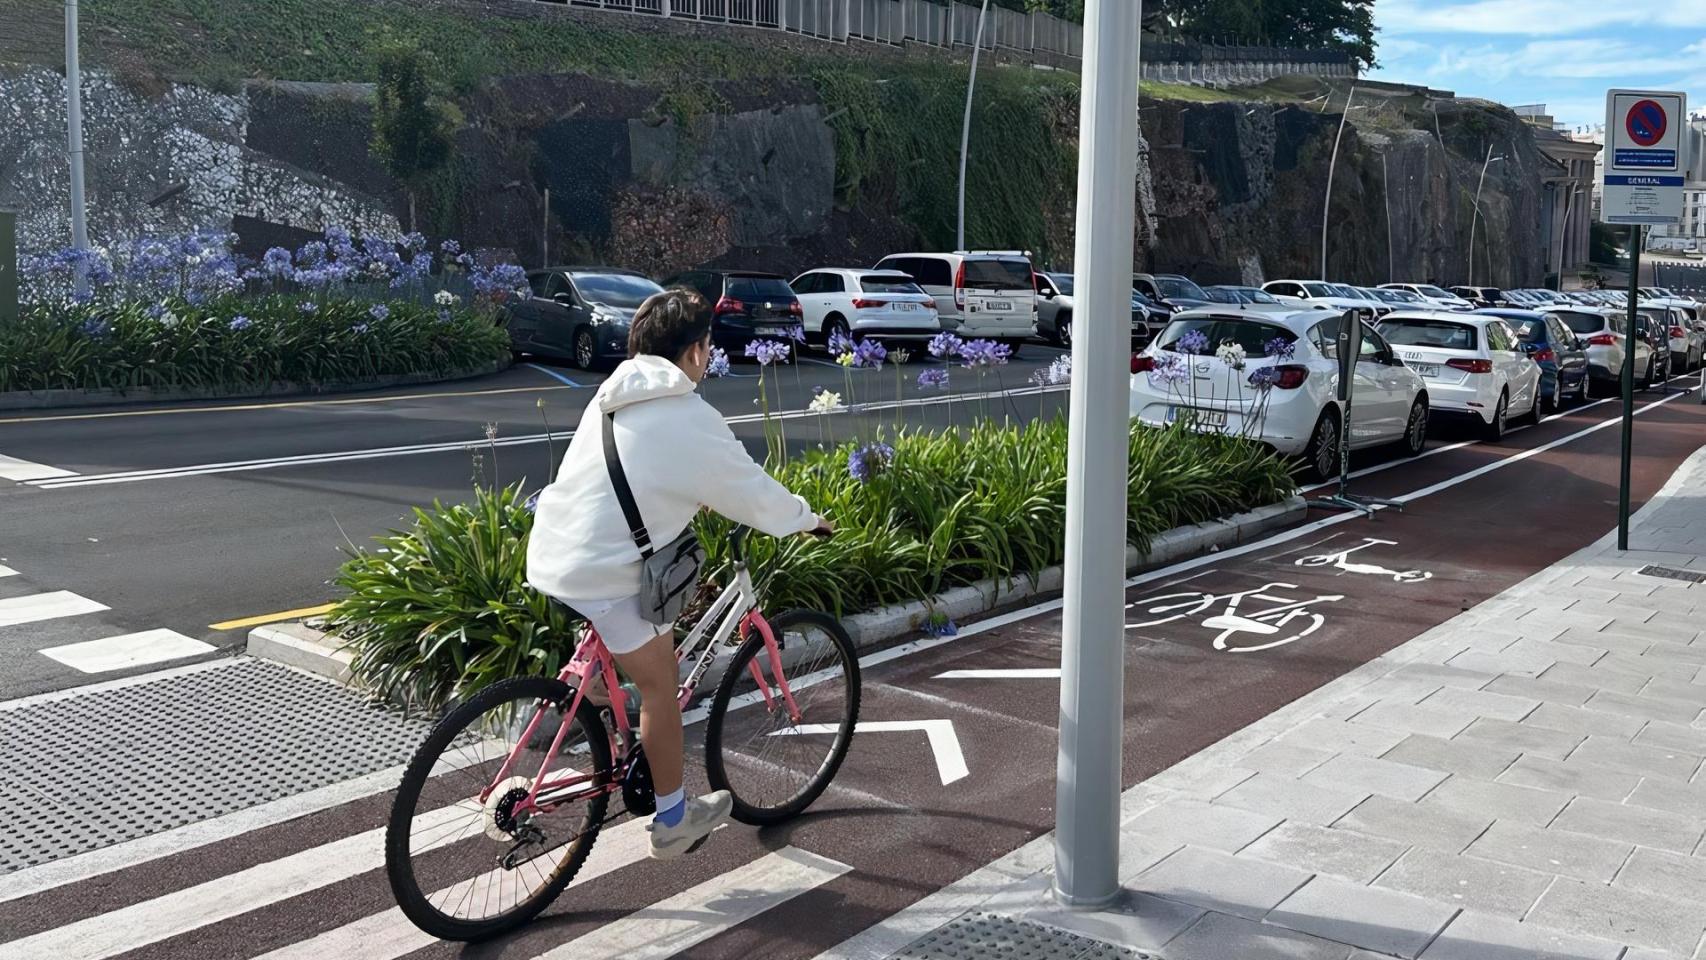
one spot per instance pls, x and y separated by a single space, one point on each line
981 294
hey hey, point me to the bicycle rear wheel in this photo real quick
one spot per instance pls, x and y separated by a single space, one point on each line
465 870
772 765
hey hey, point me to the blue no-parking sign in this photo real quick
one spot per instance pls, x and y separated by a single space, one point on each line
1644 163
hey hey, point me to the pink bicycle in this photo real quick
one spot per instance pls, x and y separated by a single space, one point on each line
502 803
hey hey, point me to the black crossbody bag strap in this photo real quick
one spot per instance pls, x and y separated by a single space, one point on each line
624 493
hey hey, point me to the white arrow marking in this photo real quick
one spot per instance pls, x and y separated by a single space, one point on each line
944 743
1016 673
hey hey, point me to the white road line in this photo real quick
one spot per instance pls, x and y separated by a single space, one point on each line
127 650
11 468
676 924
547 371
6 571
1018 673
388 935
45 606
192 908
377 453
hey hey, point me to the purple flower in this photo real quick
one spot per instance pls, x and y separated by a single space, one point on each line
767 352
933 377
276 263
868 462
413 242
94 328
797 333
450 248
870 353
944 346
718 365
531 504
1263 378
443 315
984 353
840 344
307 306
311 253
239 322
1280 347
1169 368
359 328
1194 342
378 311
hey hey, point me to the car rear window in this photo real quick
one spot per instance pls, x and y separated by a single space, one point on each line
1221 295
1171 287
1320 289
1430 333
1427 289
982 274
1253 336
1579 322
879 283
615 289
742 288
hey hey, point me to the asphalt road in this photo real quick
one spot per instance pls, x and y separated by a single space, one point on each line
1338 589
188 516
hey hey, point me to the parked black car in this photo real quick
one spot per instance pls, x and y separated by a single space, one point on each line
1170 290
579 314
745 304
1549 342
1483 297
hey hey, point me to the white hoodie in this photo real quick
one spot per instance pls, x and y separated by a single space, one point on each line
678 455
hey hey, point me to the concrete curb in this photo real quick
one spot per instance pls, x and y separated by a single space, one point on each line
70 399
305 648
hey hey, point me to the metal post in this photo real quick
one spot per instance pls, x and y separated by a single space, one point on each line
545 232
965 127
1386 198
1564 234
1332 165
8 266
74 143
1475 215
1630 337
1092 644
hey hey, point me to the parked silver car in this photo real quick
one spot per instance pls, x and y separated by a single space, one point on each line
1605 333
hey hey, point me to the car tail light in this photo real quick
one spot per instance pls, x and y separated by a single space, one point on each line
1677 333
1291 376
930 304
1470 366
1603 340
860 303
960 285
728 304
795 310
1141 363
1544 355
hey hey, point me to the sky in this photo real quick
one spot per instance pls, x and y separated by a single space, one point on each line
1563 53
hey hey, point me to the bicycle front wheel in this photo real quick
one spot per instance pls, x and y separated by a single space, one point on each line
774 763
463 869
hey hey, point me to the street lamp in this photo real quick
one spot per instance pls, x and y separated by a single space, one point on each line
1564 233
74 143
1476 215
965 126
1332 164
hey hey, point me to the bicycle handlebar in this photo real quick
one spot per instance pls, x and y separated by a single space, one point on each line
737 541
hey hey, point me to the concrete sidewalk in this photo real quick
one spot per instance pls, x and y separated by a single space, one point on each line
1523 781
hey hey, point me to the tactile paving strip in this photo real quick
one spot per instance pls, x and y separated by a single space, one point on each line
88 771
993 936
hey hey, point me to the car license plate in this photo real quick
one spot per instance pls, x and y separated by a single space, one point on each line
905 306
772 331
1425 369
997 304
1202 418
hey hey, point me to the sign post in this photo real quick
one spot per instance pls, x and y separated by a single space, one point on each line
8 266
1644 170
1349 344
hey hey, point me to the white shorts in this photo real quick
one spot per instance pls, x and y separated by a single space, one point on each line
619 622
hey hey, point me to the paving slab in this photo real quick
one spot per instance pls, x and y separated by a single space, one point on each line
1582 722
1407 718
1135 920
1688 799
1336 851
1615 913
1642 760
1284 759
1599 678
1341 737
1206 825
1400 781
1498 800
1469 882
1549 691
1293 799
1482 703
1633 824
1664 873
1647 708
1460 756
1552 851
1215 934
1476 936
1376 919
1523 738
1443 828
1570 776
1242 886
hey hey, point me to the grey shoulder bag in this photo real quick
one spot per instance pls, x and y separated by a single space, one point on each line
669 574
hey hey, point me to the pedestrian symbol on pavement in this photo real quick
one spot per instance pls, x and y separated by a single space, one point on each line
1646 123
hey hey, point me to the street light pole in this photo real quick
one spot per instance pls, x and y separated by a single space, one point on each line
1332 165
74 143
965 126
1475 216
1564 234
1386 198
1092 638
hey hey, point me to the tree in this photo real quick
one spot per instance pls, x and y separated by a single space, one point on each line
411 123
1346 25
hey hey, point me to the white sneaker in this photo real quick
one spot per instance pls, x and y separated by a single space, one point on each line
703 814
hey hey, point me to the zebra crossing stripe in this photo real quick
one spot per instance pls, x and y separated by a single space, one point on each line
6 571
11 468
45 606
127 650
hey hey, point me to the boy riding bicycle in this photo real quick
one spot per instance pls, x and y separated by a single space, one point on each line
678 456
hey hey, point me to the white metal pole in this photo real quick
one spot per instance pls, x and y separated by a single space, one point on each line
1092 644
1475 216
1563 236
965 126
1332 165
1386 198
74 142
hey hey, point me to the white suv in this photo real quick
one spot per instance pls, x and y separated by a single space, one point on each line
1473 364
1443 299
979 294
864 303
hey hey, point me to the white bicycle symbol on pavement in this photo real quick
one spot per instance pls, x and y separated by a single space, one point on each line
1341 560
1286 614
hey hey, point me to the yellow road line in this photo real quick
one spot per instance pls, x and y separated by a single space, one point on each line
271 618
285 403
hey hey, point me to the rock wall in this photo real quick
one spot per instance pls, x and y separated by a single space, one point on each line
660 179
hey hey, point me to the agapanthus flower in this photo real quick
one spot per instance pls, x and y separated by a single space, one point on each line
797 333
275 262
1264 378
94 327
984 353
1169 369
307 306
450 248
840 344
239 322
933 377
443 315
718 365
900 355
1280 347
767 352
311 253
359 328
1231 353
531 504
826 401
412 242
867 462
1194 342
1060 371
945 345
379 311
870 353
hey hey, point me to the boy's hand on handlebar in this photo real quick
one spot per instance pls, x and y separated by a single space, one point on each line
824 529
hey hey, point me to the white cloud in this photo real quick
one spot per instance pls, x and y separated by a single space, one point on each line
1534 17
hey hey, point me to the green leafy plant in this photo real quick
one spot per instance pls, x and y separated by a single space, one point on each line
442 608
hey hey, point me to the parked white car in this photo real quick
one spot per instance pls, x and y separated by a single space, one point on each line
1473 365
978 294
1444 299
1277 381
1320 295
1686 333
864 303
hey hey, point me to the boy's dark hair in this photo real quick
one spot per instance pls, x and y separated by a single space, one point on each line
668 323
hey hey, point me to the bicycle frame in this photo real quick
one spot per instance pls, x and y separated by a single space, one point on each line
735 609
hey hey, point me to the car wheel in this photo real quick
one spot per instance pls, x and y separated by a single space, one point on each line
834 327
1323 452
1063 330
1416 428
586 350
1495 429
1549 402
1645 380
1583 389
